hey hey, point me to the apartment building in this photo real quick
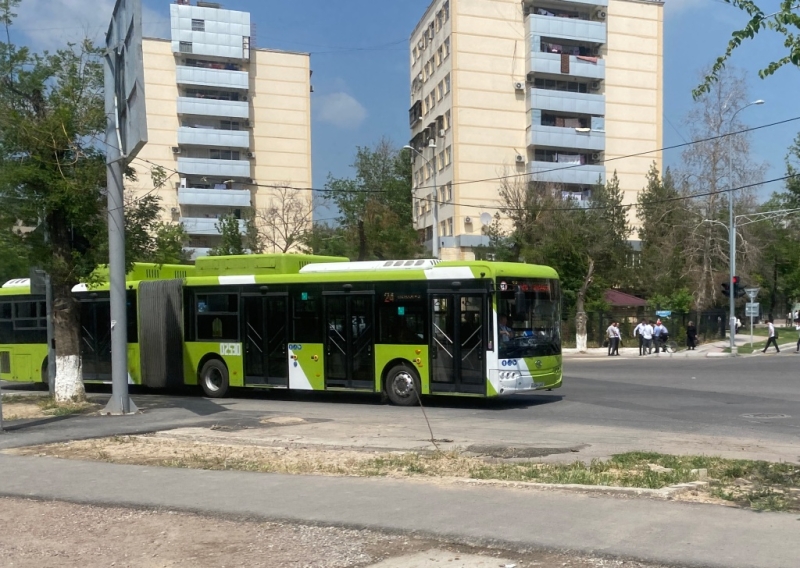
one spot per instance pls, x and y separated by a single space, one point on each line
226 121
556 91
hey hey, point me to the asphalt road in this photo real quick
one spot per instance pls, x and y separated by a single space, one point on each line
747 407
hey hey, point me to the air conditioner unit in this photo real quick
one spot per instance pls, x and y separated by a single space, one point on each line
421 44
594 85
595 157
251 155
420 77
247 123
468 220
519 86
600 14
183 182
176 149
441 133
520 158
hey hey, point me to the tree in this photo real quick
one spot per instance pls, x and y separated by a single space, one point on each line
13 256
662 215
231 242
710 169
784 22
282 225
52 174
375 207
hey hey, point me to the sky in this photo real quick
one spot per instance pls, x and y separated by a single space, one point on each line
360 63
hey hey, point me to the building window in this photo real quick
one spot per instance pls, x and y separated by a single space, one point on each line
439 56
448 156
440 161
433 99
448 192
447 120
215 154
198 25
185 47
447 83
446 46
450 227
229 125
440 91
446 10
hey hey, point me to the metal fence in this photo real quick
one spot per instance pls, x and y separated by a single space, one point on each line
711 325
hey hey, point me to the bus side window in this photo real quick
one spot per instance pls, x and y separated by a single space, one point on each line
306 318
217 317
6 325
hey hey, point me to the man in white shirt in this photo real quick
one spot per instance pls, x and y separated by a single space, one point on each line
647 333
617 339
637 332
773 338
611 334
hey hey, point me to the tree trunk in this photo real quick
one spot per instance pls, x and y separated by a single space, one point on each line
581 336
362 241
66 323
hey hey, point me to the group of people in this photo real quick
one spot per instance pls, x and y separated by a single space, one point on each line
651 336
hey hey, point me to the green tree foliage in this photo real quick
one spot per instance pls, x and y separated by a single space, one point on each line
375 206
662 217
148 238
13 256
232 241
784 21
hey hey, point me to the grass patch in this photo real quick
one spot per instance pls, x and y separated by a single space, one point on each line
43 406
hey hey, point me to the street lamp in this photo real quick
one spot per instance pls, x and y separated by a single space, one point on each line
435 241
732 227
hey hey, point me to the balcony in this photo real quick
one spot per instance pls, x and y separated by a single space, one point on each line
567 101
550 64
215 168
565 173
214 197
213 107
213 137
204 226
197 252
574 29
222 78
572 138
583 4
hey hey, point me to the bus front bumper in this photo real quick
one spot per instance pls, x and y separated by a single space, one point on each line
521 383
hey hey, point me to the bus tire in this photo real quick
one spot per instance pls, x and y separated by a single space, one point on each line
214 379
402 386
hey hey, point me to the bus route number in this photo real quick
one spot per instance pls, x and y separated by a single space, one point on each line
230 349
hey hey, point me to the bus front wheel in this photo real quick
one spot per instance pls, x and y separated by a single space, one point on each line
214 379
402 386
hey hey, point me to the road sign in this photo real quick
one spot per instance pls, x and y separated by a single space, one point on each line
752 309
752 293
125 103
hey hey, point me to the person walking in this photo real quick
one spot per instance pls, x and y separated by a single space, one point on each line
660 336
610 335
691 336
773 337
738 325
797 327
647 332
637 332
617 339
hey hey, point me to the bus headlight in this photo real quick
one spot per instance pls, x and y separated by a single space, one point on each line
509 375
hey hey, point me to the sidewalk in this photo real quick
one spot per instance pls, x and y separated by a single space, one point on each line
667 532
710 349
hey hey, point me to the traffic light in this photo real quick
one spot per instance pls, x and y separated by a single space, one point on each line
726 289
738 288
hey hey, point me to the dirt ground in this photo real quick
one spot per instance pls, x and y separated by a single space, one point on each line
22 411
164 451
37 534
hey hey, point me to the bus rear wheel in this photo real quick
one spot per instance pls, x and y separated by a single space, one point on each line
214 379
402 386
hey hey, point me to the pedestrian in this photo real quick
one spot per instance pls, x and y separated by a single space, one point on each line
637 332
691 336
660 336
505 331
617 339
738 325
797 327
647 332
773 337
610 335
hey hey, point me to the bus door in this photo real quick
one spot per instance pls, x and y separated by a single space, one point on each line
349 340
265 320
458 342
96 339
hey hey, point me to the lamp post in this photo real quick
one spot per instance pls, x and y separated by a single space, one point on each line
435 239
732 228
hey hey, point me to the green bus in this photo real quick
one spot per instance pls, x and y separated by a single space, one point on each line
23 326
299 322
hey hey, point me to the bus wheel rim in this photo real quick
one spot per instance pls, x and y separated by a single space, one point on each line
403 384
214 380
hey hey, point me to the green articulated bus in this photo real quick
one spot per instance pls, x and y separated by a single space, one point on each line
301 322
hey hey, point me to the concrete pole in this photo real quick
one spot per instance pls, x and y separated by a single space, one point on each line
120 402
732 228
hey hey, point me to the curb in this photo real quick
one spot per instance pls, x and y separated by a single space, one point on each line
663 493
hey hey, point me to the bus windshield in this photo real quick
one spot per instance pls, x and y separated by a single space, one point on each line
529 318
